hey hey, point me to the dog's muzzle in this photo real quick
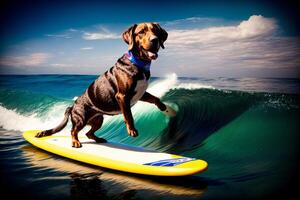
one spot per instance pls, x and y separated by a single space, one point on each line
152 52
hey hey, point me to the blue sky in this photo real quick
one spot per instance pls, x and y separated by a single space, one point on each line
206 38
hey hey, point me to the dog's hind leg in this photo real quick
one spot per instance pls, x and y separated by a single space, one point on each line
95 123
75 141
78 122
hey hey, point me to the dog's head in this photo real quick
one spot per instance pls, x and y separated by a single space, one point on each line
145 39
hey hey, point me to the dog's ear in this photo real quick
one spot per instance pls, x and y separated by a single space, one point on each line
162 35
128 36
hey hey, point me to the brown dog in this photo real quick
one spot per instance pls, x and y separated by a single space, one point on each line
120 87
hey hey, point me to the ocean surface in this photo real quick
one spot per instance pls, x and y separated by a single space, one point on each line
247 129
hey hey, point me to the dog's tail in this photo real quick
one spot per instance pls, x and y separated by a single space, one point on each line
59 127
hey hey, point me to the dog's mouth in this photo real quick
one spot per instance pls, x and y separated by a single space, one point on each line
151 55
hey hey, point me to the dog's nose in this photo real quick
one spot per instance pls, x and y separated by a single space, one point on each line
154 40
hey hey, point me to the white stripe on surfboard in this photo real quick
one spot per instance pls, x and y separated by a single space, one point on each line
112 151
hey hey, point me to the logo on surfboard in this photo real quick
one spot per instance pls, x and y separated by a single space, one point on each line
170 162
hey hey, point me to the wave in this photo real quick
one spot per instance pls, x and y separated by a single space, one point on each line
22 110
12 119
202 110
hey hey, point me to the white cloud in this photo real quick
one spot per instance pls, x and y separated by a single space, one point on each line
255 26
194 23
86 48
191 20
73 30
33 59
103 34
60 65
250 46
65 36
99 36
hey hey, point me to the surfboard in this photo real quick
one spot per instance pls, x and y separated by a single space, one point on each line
118 156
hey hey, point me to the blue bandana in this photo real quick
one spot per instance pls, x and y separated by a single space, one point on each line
145 65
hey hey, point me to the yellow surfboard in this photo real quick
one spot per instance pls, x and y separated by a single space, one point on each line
118 156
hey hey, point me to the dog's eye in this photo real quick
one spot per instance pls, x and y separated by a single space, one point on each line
142 32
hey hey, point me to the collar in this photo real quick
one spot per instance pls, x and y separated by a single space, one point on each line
141 64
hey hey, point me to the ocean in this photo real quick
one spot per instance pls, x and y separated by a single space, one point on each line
247 129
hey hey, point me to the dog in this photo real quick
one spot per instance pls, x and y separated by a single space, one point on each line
118 88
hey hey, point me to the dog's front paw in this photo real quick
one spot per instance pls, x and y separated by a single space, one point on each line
169 111
132 132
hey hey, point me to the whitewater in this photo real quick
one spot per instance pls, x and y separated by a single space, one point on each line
16 119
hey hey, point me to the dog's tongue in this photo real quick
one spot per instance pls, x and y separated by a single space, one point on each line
152 56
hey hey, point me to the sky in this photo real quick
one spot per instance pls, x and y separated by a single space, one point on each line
206 38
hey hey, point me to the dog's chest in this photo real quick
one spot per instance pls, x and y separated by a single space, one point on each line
140 88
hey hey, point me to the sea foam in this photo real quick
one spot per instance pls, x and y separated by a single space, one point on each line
11 119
